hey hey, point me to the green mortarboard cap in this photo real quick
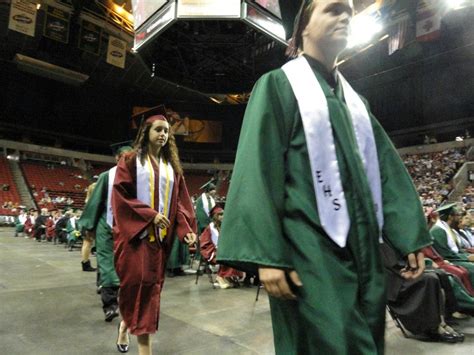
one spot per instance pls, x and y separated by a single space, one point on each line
121 147
447 209
290 10
208 186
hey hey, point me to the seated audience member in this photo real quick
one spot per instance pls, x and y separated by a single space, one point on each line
446 242
226 277
51 225
72 229
20 222
419 303
465 233
437 261
39 228
30 222
60 233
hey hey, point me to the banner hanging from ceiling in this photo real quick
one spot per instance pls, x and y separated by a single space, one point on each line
22 17
56 24
90 37
116 52
429 14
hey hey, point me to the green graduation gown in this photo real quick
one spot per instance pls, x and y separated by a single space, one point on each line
73 232
272 219
94 217
440 243
203 220
179 255
202 217
19 226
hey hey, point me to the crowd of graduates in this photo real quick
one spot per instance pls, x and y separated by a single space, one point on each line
56 226
429 306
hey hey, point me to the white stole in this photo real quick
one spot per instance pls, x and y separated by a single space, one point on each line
146 190
214 233
314 111
214 238
449 235
72 220
205 203
110 216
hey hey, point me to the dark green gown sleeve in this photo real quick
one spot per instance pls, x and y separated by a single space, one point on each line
440 243
405 226
252 230
94 207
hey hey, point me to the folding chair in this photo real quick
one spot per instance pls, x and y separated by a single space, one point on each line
258 291
207 269
397 321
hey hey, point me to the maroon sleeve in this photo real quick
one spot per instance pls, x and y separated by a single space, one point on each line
207 247
185 217
131 216
430 253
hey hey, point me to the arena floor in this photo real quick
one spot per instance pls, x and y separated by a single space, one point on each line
49 306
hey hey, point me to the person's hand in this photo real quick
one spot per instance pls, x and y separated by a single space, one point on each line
190 238
470 257
415 266
275 283
434 265
161 221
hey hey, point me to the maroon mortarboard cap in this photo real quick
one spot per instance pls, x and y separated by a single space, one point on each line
157 113
216 210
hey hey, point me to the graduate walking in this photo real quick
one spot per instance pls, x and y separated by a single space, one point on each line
315 186
151 206
97 219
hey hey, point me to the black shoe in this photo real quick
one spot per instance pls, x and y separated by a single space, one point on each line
458 335
122 348
111 314
86 266
443 338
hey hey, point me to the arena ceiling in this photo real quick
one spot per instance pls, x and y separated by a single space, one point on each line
192 60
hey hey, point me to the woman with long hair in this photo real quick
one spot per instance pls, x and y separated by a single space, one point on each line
151 206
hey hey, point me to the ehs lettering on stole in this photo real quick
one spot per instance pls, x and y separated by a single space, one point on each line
327 190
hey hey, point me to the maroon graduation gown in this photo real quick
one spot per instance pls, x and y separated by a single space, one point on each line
140 264
28 226
209 252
